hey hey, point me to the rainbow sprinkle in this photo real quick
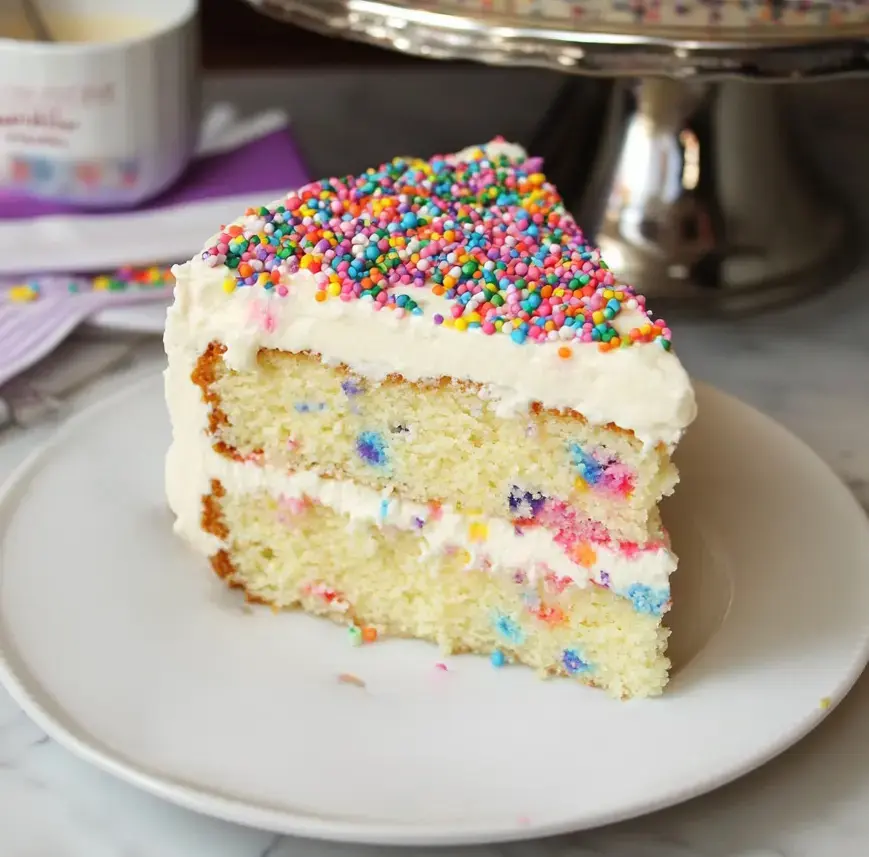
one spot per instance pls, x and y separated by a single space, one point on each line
122 280
490 235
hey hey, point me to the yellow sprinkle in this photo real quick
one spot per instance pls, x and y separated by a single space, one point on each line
334 289
597 316
826 702
101 283
608 293
229 285
559 293
619 296
536 179
22 294
473 316
461 324
478 532
465 557
646 329
580 485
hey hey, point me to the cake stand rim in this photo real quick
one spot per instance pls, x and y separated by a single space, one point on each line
692 53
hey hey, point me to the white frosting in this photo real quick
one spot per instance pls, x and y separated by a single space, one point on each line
192 463
643 388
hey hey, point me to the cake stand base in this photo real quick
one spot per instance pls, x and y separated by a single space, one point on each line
699 198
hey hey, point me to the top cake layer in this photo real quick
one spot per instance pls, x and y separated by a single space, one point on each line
466 266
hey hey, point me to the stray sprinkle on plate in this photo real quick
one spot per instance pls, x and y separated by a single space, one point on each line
349 678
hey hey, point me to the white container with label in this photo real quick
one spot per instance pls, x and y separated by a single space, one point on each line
106 114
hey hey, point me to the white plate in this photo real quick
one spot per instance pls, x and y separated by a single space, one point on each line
124 647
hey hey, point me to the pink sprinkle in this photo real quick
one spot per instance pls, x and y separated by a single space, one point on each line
441 667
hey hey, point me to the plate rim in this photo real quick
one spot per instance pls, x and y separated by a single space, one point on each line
297 822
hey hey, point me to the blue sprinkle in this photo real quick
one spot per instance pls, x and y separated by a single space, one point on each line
508 628
497 658
518 336
351 388
384 509
573 663
647 600
303 407
525 504
589 468
419 523
371 448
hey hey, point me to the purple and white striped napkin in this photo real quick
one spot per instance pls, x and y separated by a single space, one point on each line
54 253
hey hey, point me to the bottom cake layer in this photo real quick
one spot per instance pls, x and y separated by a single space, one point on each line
374 579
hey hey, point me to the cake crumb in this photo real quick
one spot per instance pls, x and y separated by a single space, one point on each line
349 678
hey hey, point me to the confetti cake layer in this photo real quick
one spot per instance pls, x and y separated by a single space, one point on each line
416 401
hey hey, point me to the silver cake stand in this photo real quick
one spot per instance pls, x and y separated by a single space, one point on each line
695 193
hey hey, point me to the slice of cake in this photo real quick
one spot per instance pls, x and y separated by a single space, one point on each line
416 401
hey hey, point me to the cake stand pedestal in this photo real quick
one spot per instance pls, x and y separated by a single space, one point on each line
697 197
696 192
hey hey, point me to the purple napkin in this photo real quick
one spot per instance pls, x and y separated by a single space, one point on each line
38 310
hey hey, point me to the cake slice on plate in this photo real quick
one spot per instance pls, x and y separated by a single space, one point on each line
416 401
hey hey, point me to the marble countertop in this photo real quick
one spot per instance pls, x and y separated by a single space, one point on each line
808 367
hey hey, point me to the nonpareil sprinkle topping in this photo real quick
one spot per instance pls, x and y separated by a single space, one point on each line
486 232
